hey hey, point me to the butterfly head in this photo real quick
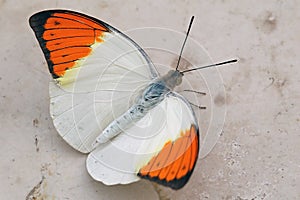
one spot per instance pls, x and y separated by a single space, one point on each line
173 78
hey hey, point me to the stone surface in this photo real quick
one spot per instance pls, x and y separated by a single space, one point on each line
256 156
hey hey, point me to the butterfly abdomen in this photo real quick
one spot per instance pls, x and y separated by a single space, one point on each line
151 96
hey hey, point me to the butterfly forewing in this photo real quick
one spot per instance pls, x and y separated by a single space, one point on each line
97 72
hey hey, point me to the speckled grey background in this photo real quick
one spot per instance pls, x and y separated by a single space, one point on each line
257 156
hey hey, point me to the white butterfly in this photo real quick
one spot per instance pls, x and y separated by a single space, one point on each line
108 99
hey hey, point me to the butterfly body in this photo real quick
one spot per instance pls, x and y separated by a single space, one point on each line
152 95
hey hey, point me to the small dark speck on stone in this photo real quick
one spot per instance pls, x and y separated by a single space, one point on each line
35 122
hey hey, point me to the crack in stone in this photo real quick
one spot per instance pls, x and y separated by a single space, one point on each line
36 192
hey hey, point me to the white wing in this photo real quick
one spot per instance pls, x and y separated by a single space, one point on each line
97 71
162 147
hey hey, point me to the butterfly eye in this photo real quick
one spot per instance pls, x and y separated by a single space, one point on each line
179 80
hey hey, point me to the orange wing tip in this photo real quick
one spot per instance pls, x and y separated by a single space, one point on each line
61 33
174 164
81 18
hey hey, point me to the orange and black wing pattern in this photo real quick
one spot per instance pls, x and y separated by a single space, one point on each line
175 162
66 37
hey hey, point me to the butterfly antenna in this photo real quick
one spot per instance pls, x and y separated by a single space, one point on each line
212 65
191 22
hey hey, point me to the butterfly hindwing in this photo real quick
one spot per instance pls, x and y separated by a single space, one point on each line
175 162
162 147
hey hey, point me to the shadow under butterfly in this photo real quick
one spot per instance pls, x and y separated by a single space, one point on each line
108 100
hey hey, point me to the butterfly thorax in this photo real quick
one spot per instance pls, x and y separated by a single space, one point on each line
154 93
150 97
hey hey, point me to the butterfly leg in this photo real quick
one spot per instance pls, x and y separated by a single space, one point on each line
197 92
200 107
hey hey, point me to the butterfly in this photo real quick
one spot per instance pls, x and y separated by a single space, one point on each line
107 99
